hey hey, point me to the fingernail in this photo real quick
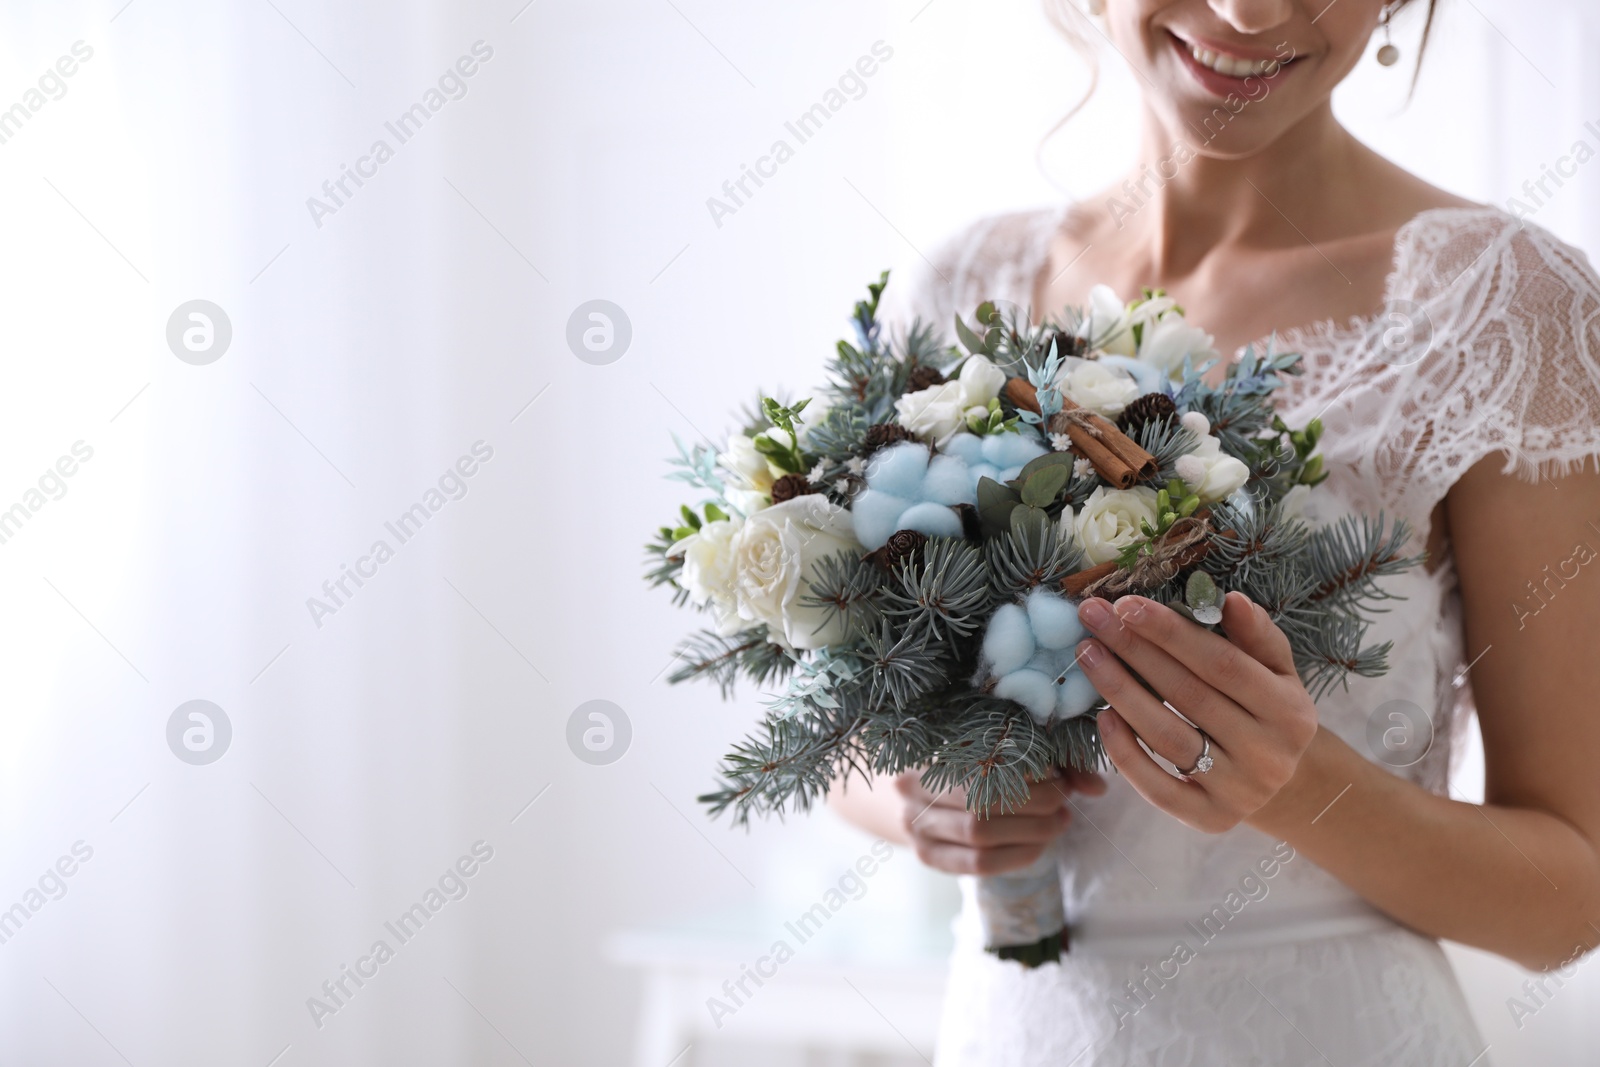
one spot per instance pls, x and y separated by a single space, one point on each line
1131 608
1094 612
1089 654
1106 721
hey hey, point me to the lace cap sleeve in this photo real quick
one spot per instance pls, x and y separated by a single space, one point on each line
996 257
1514 362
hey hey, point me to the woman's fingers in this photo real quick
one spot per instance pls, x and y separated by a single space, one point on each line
963 828
1214 712
1167 735
956 859
1141 631
1184 800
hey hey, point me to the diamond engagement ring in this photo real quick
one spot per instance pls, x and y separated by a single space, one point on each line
1205 762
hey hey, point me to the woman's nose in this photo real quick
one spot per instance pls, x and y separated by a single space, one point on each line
1252 16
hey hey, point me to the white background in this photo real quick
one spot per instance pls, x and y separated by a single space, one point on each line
372 351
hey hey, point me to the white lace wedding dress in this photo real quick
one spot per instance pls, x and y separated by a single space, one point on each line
1501 354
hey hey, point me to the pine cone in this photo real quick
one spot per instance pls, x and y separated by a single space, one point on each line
882 435
790 486
903 545
1151 407
1068 344
922 377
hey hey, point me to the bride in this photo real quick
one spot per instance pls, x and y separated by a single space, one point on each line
1283 906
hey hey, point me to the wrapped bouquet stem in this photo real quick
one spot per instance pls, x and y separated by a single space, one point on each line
901 565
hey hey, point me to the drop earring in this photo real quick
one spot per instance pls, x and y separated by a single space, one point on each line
1095 8
1388 54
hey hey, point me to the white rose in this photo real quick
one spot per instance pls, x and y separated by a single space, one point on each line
1109 520
1107 326
774 556
708 565
1210 473
939 412
747 465
934 414
1165 342
1099 388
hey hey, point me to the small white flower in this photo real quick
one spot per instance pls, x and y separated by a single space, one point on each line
855 465
819 472
1060 442
1107 327
842 486
778 436
1294 503
748 466
1211 473
1082 468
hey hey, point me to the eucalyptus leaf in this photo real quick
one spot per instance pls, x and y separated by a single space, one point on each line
1201 591
1030 522
1049 459
968 338
1041 487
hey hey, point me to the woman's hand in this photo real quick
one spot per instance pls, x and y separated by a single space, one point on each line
948 837
1242 690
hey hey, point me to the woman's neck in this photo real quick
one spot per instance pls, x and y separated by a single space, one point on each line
1304 187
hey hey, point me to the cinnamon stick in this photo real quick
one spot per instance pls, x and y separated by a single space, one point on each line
1115 456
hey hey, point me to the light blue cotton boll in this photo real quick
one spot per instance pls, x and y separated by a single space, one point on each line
1034 691
949 481
1008 642
876 515
980 471
967 447
898 469
935 520
1049 661
1007 450
1054 620
1076 695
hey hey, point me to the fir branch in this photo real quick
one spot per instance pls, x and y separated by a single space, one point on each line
942 596
721 658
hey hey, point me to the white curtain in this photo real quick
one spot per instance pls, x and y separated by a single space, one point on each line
377 337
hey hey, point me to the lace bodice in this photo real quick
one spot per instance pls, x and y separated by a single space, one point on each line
1489 342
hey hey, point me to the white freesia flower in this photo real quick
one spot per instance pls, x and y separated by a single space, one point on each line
747 501
708 568
939 412
1294 503
1099 388
1107 327
1164 343
1109 520
774 556
749 467
1210 473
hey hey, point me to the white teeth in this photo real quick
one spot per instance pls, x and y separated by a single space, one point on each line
1232 66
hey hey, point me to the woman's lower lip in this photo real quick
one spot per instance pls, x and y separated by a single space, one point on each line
1216 83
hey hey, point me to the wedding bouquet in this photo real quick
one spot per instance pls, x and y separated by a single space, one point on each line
903 559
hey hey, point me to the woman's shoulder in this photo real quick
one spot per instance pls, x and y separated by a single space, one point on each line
1485 258
1510 326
